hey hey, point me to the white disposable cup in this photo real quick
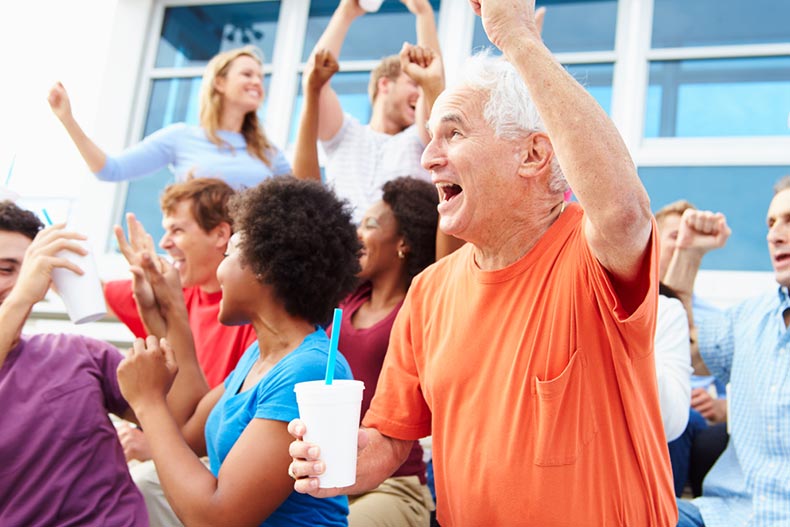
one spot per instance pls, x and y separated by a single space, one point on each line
82 294
371 6
331 414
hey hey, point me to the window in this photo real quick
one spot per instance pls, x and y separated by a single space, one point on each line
190 36
569 26
741 193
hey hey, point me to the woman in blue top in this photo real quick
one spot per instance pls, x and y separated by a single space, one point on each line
229 144
283 275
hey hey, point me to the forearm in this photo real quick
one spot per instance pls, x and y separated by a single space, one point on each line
431 89
378 461
188 485
591 152
427 35
681 274
94 156
305 164
190 385
13 314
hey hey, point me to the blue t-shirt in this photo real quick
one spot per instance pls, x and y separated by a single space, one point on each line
273 398
186 148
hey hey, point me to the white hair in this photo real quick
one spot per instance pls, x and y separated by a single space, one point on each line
509 109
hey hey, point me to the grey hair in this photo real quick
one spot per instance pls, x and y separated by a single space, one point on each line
508 109
782 184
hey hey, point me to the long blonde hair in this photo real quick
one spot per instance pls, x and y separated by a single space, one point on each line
211 105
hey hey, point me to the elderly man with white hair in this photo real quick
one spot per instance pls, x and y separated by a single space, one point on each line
528 353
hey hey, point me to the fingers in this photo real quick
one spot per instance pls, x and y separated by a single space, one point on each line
475 6
540 16
169 354
297 429
705 221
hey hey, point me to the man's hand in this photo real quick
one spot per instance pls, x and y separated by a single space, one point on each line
423 66
506 21
714 410
324 66
350 8
133 249
41 257
147 372
702 231
135 445
306 464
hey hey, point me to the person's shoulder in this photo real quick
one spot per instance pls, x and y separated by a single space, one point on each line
444 268
66 342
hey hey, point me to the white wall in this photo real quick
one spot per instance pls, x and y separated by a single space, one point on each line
94 47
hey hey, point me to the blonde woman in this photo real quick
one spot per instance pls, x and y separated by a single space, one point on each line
229 143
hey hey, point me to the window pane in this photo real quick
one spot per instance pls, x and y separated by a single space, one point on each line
351 88
741 193
719 97
680 23
372 36
570 25
191 35
597 78
172 101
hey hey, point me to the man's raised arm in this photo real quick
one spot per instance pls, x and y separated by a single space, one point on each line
589 148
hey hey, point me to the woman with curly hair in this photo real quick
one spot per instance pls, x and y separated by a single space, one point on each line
398 235
229 144
284 276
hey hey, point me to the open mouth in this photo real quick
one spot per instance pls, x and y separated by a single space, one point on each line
448 191
782 258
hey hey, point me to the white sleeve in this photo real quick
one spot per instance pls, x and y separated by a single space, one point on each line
673 365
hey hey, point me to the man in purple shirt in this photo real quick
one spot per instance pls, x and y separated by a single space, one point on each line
60 460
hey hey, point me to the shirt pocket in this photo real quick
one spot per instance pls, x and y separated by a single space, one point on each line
564 423
76 408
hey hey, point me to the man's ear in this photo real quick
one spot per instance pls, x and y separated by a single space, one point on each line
536 155
383 86
222 233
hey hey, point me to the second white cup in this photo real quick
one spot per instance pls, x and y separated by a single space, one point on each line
331 414
82 294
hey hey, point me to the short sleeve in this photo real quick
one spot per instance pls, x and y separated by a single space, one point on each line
107 358
398 408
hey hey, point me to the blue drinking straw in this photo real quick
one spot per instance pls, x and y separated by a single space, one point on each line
10 170
46 216
330 365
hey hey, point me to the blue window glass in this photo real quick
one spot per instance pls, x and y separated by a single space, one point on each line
191 35
570 25
171 101
351 89
741 193
372 36
597 78
681 23
718 97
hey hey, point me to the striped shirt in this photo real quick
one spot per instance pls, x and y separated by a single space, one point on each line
361 160
748 346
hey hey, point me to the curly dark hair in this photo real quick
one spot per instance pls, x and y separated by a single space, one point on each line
16 219
413 202
299 238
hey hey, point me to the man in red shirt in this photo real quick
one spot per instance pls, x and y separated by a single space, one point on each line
197 228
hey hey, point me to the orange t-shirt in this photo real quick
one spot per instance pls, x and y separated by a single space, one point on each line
539 390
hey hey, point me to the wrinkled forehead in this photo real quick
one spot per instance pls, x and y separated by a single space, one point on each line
461 102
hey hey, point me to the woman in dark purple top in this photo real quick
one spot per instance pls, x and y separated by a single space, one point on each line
398 235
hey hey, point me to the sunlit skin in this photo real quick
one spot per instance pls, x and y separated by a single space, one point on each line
12 251
242 86
778 220
400 101
378 232
237 283
194 252
668 229
471 167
